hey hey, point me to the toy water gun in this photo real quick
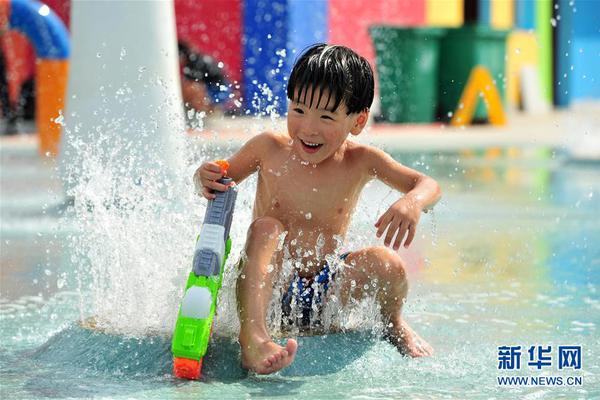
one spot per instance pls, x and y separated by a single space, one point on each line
198 306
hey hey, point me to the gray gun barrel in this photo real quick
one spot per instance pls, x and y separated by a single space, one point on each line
210 247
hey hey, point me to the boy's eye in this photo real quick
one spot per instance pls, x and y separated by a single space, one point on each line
326 117
299 110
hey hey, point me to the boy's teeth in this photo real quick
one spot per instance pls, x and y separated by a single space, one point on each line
311 144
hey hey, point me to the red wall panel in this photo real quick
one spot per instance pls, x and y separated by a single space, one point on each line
349 21
215 28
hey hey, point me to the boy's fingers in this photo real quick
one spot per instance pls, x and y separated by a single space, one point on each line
213 176
411 235
213 167
206 193
400 235
383 222
392 228
214 185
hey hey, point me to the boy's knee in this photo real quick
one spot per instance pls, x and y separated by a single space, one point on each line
392 265
266 226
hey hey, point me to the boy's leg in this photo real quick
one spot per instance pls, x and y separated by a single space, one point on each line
391 288
254 291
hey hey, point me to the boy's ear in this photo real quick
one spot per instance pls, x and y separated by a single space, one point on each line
361 121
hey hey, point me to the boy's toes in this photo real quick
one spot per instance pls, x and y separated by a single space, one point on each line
290 350
269 357
291 347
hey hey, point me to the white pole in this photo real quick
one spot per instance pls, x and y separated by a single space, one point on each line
124 98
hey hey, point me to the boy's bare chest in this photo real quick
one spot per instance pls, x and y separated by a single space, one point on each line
308 198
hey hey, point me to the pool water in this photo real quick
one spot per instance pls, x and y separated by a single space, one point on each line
510 257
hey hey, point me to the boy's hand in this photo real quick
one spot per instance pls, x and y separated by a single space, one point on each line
205 179
402 217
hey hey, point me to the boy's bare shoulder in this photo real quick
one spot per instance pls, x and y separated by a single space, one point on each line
364 152
269 141
366 155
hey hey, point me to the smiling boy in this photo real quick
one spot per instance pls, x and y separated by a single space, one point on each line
309 181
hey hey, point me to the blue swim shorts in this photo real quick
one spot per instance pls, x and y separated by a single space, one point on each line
306 292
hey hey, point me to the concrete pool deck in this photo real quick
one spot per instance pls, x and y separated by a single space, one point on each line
576 129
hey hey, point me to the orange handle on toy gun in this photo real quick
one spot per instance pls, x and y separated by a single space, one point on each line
224 164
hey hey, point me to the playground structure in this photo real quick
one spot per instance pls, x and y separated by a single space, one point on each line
480 81
50 39
275 34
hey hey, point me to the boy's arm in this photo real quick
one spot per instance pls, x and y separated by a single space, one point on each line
249 158
421 193
243 163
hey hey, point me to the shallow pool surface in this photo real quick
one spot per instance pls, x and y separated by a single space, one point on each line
510 257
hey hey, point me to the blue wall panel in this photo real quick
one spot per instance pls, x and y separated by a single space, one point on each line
265 34
563 55
585 50
485 12
308 25
525 14
275 33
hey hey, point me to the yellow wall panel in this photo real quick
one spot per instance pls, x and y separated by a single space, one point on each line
444 12
503 13
522 48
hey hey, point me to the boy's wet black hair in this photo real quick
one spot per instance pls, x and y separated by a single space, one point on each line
347 77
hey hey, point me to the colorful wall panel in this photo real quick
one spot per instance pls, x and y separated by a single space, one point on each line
525 14
521 50
585 50
498 14
215 28
274 34
563 56
502 14
444 12
543 16
349 21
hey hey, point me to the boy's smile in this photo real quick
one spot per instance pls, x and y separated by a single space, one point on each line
310 147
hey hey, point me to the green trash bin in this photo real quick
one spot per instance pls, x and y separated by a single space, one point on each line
407 65
462 49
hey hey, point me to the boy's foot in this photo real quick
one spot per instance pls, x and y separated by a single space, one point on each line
264 356
407 341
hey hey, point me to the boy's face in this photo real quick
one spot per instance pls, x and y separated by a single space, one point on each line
318 132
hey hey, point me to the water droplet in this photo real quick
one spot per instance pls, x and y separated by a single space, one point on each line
308 215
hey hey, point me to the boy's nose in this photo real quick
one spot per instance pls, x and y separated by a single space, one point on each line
309 129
